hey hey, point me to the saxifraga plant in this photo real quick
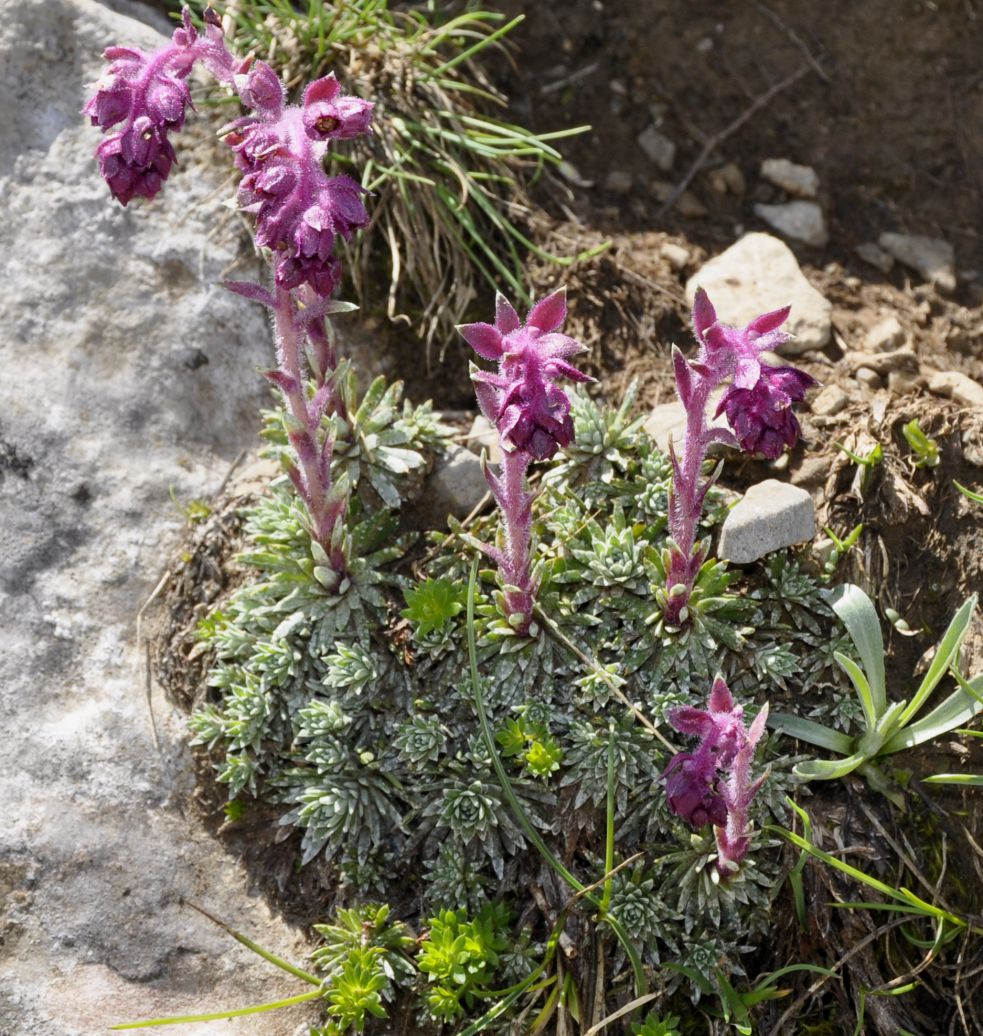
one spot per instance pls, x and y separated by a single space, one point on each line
451 176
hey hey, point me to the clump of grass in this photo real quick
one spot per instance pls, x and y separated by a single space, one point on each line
450 174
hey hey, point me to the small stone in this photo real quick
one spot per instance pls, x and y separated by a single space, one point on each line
771 516
618 181
675 255
932 257
829 401
484 436
455 487
617 87
690 206
874 255
801 181
956 386
870 379
727 179
757 274
881 363
884 336
658 147
811 472
801 220
822 550
668 421
902 382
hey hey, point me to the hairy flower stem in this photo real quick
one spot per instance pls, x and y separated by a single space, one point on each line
686 506
312 479
516 507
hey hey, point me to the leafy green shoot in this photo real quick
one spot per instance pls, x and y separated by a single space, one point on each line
431 604
925 448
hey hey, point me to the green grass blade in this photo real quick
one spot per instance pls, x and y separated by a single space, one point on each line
975 497
947 652
973 780
829 770
239 1012
443 69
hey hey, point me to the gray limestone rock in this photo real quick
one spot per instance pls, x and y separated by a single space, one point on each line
956 386
932 257
454 487
829 401
760 273
772 515
128 372
801 181
658 147
800 220
668 421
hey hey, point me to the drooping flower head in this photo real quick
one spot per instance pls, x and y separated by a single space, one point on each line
531 412
713 785
299 209
758 404
147 96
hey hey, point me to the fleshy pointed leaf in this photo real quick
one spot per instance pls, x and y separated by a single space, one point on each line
811 732
857 613
861 685
684 376
251 291
829 770
960 707
769 321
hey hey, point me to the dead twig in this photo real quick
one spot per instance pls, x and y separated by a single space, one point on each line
718 138
797 40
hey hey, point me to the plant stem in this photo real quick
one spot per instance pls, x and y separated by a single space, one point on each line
313 478
516 506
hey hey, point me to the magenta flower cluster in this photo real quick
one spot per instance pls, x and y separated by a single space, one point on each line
758 404
144 97
280 148
713 785
532 415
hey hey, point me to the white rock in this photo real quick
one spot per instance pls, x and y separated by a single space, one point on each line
771 515
658 147
107 314
675 255
484 436
875 256
802 181
933 258
454 487
727 179
800 220
885 335
760 273
668 421
829 401
956 386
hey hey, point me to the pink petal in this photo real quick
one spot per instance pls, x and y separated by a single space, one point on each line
769 321
506 318
684 376
704 315
485 339
325 89
549 313
688 720
747 373
248 290
488 400
721 699
560 345
562 368
757 727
